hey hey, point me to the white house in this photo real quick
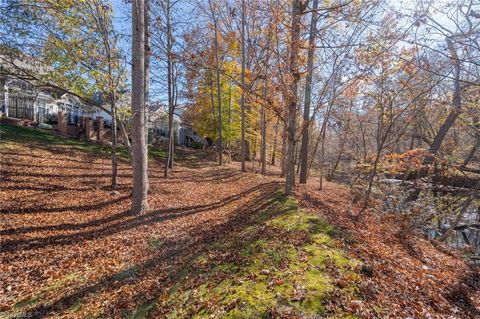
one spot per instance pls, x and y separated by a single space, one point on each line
158 125
19 99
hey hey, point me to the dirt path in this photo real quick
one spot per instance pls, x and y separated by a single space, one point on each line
66 240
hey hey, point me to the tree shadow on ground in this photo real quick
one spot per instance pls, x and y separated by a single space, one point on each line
460 294
178 252
219 174
75 208
88 165
113 224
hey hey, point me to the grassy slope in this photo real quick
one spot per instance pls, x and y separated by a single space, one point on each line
286 262
45 138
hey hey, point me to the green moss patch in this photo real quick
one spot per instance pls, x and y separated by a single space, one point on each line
285 263
43 296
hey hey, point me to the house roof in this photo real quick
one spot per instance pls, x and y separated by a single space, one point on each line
22 66
160 114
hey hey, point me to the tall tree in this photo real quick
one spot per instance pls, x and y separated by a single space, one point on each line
139 145
146 61
263 127
242 141
457 103
167 8
213 12
113 73
308 95
298 8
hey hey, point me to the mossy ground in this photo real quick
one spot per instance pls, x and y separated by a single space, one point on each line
42 295
285 263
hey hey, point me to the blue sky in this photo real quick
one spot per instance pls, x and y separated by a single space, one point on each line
122 17
122 24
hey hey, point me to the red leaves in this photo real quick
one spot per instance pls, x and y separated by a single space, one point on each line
409 279
69 248
59 218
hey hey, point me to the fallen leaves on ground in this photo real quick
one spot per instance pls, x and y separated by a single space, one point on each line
406 276
72 249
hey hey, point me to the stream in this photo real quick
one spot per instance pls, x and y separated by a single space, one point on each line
467 233
439 208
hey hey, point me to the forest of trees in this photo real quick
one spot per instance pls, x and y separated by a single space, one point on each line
380 95
320 89
355 89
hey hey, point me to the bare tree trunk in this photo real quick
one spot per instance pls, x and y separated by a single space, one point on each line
337 161
169 160
473 150
172 150
147 80
263 150
219 93
371 178
175 96
274 149
298 7
147 65
112 96
457 104
248 151
283 161
114 143
308 96
322 158
139 147
442 132
126 139
323 132
297 159
229 121
414 134
446 125
242 101
170 79
314 153
212 101
364 140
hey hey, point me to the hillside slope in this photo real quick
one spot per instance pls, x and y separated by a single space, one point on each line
215 243
407 276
